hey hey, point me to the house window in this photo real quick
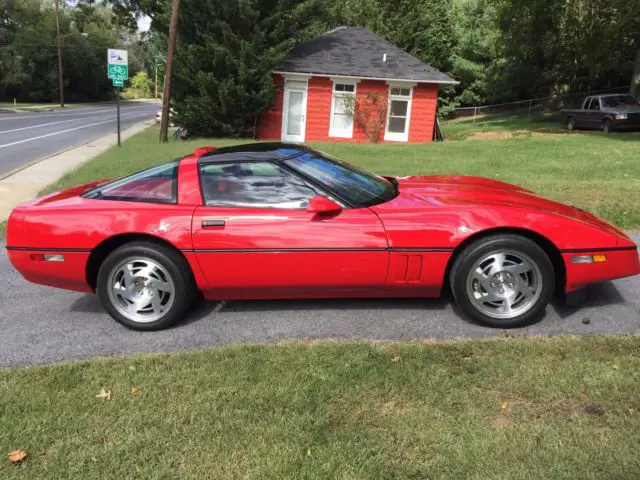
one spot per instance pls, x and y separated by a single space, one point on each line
341 124
399 113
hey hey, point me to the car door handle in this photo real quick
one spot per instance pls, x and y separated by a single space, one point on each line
212 223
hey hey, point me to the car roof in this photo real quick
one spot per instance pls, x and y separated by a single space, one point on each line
271 151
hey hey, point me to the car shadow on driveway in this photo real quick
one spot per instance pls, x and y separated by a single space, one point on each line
598 295
91 304
204 309
87 304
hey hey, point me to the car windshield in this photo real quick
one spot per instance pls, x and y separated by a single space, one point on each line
355 185
619 101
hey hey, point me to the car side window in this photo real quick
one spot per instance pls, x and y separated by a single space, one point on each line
253 185
155 185
595 104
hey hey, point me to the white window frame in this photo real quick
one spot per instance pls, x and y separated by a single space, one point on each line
397 136
338 132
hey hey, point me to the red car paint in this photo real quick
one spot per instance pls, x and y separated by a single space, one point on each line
400 248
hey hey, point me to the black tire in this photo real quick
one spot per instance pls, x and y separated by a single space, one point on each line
606 126
571 124
467 260
174 264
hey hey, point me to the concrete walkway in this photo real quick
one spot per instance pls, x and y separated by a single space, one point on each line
24 184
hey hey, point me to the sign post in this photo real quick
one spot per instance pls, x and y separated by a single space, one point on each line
118 72
118 110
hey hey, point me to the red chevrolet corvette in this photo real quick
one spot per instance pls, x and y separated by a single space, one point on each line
274 220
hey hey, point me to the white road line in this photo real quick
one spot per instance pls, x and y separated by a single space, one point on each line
77 112
55 123
66 131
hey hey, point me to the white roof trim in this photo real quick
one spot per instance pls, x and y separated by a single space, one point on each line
399 84
345 80
297 77
351 77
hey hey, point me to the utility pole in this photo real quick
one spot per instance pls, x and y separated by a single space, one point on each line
166 100
60 72
155 82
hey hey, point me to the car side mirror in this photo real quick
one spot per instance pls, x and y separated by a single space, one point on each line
320 205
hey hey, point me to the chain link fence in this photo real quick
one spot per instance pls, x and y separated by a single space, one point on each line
533 106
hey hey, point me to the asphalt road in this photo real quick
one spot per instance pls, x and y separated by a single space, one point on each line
44 325
29 136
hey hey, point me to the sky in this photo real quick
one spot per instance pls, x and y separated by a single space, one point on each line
143 22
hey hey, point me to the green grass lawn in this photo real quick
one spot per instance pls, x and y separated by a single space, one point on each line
501 409
518 125
599 173
137 153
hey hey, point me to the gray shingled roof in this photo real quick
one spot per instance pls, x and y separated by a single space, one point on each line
357 52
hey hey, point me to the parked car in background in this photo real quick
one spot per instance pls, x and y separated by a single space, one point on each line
277 220
158 117
604 112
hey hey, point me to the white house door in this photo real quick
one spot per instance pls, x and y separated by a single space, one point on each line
294 111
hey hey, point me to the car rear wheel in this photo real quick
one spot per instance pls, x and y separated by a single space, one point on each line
145 286
571 123
503 281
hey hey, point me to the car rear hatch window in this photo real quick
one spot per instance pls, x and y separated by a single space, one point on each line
158 184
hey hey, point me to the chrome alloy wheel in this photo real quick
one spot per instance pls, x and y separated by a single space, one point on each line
504 284
141 289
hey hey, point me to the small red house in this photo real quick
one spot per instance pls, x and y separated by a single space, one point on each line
314 80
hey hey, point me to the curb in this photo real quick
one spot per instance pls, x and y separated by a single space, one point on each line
10 173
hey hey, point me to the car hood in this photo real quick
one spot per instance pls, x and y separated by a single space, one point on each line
428 192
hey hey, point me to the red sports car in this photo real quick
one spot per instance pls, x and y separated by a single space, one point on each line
275 220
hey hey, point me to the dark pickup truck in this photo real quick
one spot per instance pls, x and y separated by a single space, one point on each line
604 112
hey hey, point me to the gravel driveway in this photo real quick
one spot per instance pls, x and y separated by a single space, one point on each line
44 325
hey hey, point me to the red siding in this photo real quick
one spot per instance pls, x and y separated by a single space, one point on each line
423 112
423 109
270 122
318 109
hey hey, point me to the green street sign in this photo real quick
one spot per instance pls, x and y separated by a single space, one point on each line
118 72
118 83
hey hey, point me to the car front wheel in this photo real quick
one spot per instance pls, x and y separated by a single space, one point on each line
503 281
145 286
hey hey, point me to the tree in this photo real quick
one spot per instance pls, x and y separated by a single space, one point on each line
635 77
28 51
499 50
559 46
474 52
140 86
226 53
424 29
